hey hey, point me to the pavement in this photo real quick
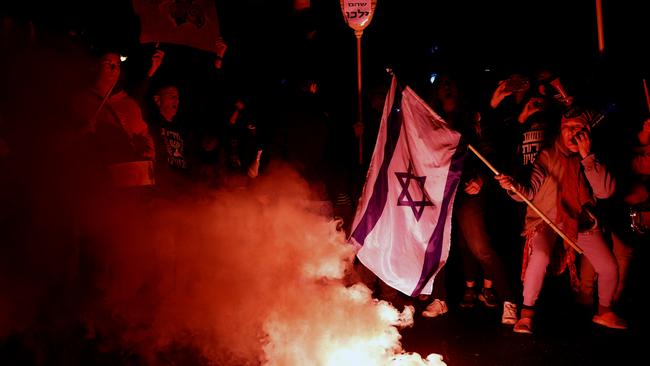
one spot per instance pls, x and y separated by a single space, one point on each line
563 334
563 331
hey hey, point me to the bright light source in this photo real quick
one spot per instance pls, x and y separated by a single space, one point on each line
433 77
123 58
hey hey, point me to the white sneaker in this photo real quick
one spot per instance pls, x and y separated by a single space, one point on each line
509 316
436 308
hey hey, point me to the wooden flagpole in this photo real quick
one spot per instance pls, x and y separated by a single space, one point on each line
357 15
93 120
599 21
647 94
359 34
530 204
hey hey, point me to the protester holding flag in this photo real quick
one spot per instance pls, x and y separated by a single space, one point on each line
402 226
566 180
117 169
111 120
470 207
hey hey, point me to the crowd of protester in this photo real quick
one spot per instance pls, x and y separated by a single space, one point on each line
136 125
577 159
548 146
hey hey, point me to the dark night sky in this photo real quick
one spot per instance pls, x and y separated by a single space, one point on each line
472 31
267 43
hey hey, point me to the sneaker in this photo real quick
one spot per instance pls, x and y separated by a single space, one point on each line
469 298
610 320
488 298
509 316
436 308
524 326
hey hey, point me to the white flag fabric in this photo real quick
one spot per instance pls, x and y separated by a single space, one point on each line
403 220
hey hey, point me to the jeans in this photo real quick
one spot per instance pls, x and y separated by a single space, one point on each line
623 253
595 250
475 246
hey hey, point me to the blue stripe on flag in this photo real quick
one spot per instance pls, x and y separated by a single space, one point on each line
379 195
434 248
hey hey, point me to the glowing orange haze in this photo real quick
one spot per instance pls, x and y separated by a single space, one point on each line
240 277
252 276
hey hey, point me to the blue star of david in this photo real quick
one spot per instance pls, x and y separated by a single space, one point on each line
405 198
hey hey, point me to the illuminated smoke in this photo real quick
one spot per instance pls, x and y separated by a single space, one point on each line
231 277
252 276
237 277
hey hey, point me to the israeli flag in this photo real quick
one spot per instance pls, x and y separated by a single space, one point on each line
402 225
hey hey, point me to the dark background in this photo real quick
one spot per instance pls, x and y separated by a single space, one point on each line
484 40
267 39
269 51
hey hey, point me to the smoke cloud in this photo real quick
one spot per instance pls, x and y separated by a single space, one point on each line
217 277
